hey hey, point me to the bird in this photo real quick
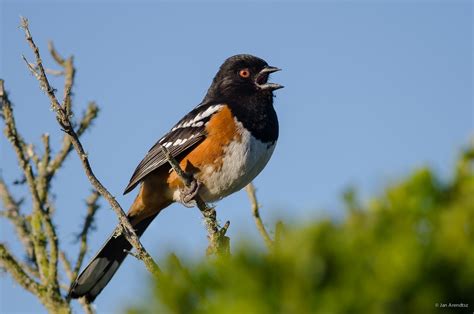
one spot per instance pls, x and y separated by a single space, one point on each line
224 143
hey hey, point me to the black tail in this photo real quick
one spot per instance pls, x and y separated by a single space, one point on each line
103 266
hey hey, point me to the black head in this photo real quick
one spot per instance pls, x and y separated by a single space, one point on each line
240 76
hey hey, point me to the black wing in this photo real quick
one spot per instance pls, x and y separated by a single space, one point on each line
186 134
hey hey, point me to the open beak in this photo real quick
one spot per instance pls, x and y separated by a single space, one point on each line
262 78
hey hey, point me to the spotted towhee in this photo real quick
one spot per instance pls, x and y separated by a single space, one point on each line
224 142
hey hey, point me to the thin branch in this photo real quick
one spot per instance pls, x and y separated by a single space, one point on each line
18 144
41 75
42 179
13 267
89 116
55 54
67 267
88 309
48 71
92 208
32 155
50 232
54 72
42 186
12 212
31 67
30 269
218 242
63 120
69 73
256 215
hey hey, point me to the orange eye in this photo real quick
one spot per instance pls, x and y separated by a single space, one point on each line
245 73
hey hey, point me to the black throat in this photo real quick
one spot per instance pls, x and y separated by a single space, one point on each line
255 112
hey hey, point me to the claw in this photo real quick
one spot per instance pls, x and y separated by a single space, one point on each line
187 194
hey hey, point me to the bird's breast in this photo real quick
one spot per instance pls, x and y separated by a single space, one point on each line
228 159
243 159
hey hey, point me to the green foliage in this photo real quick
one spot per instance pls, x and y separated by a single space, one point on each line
403 252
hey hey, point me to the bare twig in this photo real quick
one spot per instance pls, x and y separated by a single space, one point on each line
31 67
31 269
42 186
19 145
85 122
54 53
256 215
92 208
89 116
48 71
218 242
50 232
41 75
39 227
42 178
67 267
69 72
12 212
63 119
13 266
32 155
88 309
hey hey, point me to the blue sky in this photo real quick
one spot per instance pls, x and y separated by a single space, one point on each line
373 90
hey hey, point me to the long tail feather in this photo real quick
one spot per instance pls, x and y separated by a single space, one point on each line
103 266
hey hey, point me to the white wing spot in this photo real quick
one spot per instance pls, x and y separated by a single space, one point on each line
196 121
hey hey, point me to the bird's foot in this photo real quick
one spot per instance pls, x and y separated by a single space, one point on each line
188 193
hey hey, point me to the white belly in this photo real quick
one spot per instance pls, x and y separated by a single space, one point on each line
243 160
